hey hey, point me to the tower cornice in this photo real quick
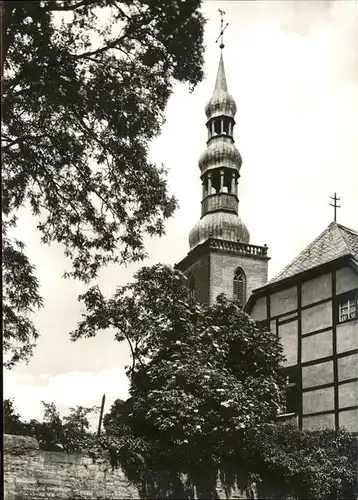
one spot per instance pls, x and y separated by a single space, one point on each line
225 246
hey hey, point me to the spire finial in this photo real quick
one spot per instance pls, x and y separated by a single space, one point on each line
222 29
334 204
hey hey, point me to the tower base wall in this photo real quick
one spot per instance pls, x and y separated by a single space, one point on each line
213 264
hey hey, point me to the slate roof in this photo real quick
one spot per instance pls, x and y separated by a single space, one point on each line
334 242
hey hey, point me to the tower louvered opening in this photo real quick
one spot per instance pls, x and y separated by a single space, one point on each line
239 287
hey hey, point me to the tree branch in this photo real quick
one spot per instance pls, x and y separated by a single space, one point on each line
89 131
60 192
110 45
135 357
121 10
132 350
67 6
21 139
136 351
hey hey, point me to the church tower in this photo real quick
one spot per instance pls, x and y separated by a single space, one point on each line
221 258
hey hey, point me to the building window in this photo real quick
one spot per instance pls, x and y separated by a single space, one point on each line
347 306
291 399
240 287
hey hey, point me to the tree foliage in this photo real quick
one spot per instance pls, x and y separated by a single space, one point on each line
289 463
201 377
71 433
84 89
11 419
205 390
20 299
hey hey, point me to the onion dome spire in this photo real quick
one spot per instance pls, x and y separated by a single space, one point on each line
221 102
220 83
220 170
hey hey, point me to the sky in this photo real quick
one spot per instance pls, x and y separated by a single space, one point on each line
292 67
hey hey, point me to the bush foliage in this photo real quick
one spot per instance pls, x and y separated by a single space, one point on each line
71 433
206 389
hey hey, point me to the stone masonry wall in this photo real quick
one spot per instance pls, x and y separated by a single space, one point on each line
200 270
31 473
34 474
222 269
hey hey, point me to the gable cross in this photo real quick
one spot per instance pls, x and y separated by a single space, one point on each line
334 204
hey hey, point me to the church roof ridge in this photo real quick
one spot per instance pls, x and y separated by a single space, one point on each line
347 229
334 242
351 238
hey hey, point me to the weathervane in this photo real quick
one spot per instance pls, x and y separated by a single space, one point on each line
222 29
334 204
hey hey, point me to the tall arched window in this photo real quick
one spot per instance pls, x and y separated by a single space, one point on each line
240 286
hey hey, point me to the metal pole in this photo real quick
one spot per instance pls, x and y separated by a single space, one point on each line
101 415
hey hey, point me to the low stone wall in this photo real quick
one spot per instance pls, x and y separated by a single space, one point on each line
31 473
34 474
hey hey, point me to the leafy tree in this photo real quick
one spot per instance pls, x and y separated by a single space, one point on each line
50 432
76 428
11 419
205 390
84 88
20 297
201 377
14 425
71 433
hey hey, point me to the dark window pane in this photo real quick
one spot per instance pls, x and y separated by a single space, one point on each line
239 287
